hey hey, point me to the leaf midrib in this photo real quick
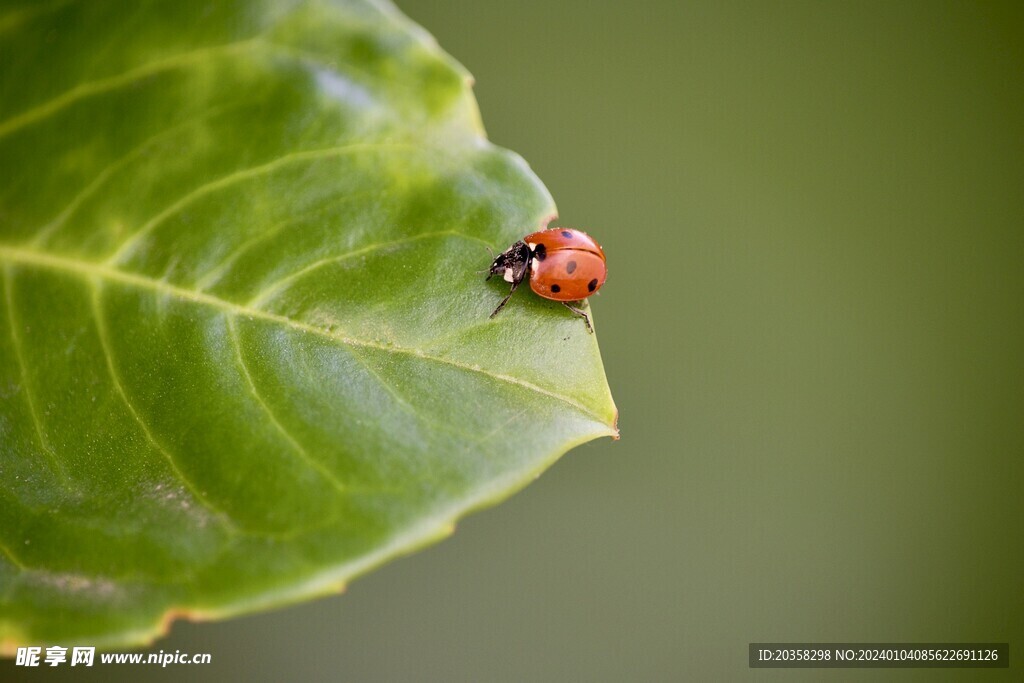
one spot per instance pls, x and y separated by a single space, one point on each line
90 269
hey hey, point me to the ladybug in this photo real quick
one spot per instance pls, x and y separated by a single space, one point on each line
563 265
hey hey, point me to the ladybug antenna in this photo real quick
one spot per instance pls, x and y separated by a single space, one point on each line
487 271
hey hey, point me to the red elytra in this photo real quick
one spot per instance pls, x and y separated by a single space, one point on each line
563 265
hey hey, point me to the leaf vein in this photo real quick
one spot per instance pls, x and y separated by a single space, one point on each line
402 402
105 174
14 558
25 384
240 175
213 274
101 329
89 88
304 455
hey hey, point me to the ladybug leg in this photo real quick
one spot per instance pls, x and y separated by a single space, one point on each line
580 313
505 300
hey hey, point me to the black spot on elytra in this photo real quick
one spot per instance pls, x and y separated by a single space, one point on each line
556 289
592 285
540 253
570 266
566 234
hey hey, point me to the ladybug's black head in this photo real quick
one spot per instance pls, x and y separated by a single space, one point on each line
512 263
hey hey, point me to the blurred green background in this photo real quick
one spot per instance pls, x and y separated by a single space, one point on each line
813 328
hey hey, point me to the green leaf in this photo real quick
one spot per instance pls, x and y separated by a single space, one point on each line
245 350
